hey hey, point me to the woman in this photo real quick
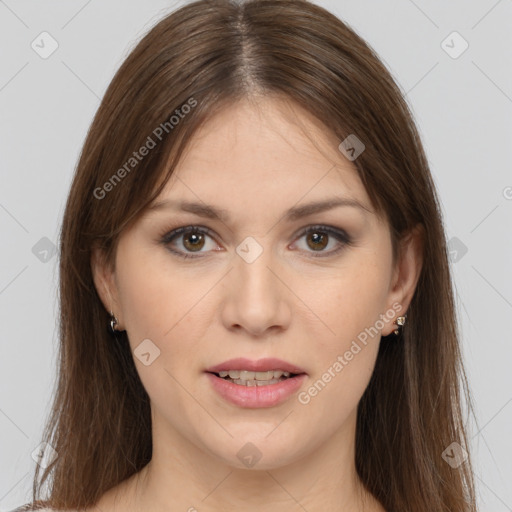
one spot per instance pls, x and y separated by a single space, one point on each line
254 220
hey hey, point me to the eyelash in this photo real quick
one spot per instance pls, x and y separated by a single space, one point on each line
167 237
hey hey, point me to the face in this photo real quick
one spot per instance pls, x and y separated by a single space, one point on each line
236 261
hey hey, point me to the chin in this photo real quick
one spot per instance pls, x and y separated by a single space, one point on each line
259 452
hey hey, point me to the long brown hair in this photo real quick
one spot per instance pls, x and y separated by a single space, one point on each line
207 54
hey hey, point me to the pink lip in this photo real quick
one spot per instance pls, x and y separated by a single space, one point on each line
261 365
256 396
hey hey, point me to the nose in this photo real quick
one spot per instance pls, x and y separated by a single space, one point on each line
256 299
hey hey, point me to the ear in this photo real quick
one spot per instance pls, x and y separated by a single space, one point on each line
405 274
104 280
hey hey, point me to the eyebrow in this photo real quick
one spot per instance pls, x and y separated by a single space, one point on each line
295 213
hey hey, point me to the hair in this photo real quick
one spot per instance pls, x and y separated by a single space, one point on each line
210 54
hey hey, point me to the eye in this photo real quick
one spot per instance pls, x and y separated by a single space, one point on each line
318 238
189 239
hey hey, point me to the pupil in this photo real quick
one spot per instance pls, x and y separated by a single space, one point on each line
319 241
194 241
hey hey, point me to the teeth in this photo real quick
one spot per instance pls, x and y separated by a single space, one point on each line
249 378
246 375
256 382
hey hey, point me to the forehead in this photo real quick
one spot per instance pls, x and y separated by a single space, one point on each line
264 144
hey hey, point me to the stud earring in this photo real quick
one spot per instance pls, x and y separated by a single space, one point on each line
112 324
400 322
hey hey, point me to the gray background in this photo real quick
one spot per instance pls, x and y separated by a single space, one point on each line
463 107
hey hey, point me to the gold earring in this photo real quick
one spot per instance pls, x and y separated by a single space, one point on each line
400 322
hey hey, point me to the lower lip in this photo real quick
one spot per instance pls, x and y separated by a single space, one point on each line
256 396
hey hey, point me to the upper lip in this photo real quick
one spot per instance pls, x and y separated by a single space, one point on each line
260 365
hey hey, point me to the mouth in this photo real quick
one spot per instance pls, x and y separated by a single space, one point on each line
253 384
249 378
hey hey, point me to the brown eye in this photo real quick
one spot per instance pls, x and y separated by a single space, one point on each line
186 240
193 241
323 241
317 240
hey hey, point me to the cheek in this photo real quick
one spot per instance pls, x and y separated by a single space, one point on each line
344 361
162 304
348 301
153 295
148 306
348 338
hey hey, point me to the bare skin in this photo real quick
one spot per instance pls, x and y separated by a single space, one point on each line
304 299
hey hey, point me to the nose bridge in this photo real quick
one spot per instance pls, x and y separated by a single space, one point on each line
257 299
251 269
